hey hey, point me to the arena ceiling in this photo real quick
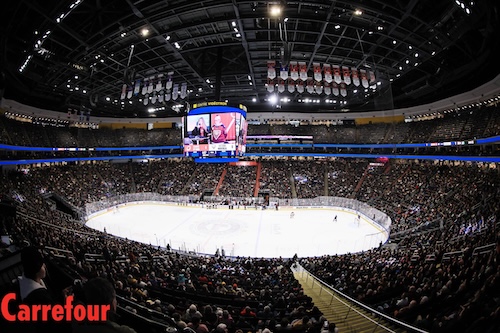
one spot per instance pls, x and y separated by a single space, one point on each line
79 53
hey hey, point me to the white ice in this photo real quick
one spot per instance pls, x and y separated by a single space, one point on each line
253 233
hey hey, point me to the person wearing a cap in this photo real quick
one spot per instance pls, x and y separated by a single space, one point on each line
32 288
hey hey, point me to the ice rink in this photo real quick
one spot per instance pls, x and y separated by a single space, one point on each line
254 233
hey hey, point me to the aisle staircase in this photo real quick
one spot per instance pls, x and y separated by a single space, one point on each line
348 317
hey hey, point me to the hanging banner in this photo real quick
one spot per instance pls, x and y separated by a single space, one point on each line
168 96
151 85
372 77
346 74
270 85
145 100
303 71
364 78
300 86
310 85
317 71
175 91
159 85
130 92
291 86
318 88
271 70
137 87
284 72
124 91
336 74
335 89
153 98
328 89
281 85
183 90
294 70
144 90
343 89
328 73
355 76
161 97
169 83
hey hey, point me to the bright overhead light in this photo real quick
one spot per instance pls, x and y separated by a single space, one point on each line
358 12
275 11
273 99
233 24
145 32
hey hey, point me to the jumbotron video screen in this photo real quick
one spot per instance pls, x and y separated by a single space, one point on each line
215 129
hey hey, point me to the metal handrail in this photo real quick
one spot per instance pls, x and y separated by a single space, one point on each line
328 288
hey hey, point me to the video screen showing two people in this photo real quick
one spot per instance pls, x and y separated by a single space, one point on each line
210 128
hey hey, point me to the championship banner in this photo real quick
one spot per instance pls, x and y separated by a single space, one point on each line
124 91
168 96
270 85
161 98
310 85
328 73
175 91
183 90
347 75
300 86
343 89
372 77
364 78
291 86
303 71
144 90
318 87
271 70
284 72
281 85
130 92
153 98
336 74
168 85
328 89
355 77
158 83
294 70
335 89
317 71
151 85
145 100
137 87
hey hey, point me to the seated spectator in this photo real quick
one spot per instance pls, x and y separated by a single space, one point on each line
32 287
196 325
100 291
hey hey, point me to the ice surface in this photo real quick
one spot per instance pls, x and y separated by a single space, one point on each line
254 233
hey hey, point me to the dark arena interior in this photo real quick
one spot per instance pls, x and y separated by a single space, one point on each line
387 110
